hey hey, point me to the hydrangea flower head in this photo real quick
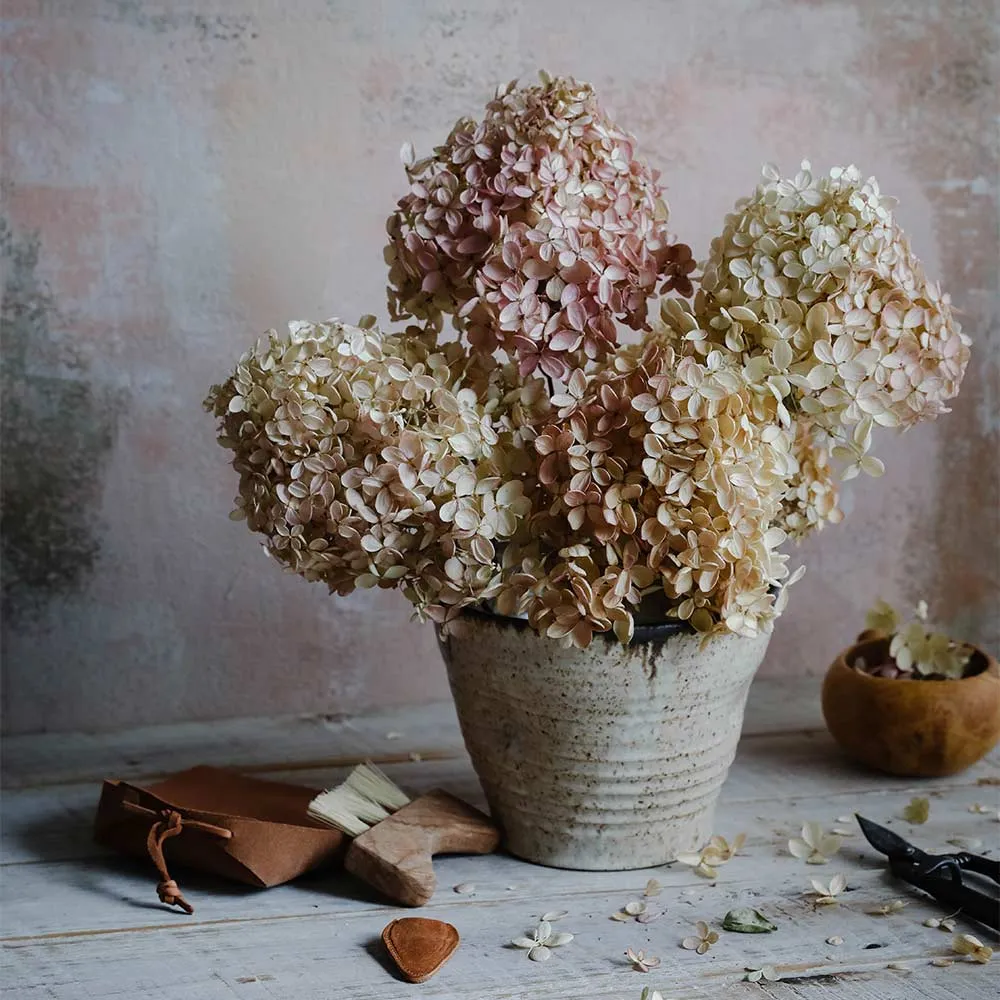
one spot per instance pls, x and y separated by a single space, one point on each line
813 286
537 230
368 459
813 276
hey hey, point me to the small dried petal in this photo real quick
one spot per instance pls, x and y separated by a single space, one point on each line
971 844
705 939
982 810
887 909
640 961
966 944
765 974
814 846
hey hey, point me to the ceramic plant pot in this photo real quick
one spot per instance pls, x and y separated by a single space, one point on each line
907 727
606 758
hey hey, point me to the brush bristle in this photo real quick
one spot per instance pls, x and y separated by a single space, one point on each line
365 798
371 783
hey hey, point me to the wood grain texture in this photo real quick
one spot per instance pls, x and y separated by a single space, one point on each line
261 745
314 742
77 922
395 856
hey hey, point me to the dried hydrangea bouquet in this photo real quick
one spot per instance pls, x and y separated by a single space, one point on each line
596 522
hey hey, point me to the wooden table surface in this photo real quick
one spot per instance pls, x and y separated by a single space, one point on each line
78 922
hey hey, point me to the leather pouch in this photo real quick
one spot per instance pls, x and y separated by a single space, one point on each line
213 820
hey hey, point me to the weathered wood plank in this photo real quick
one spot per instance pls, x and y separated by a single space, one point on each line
102 892
313 741
261 745
337 955
53 822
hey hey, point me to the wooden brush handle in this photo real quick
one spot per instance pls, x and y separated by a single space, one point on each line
395 855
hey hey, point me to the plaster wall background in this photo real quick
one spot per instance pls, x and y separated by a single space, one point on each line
177 177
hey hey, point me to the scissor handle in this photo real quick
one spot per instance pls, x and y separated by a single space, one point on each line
953 893
989 867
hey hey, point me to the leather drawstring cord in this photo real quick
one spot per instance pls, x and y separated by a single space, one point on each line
170 823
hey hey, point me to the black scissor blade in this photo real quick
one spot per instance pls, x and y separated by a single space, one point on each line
884 840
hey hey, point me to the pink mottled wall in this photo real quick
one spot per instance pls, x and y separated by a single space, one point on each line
180 176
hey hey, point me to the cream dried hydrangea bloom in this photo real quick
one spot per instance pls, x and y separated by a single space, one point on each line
536 230
811 499
813 285
371 460
916 648
814 274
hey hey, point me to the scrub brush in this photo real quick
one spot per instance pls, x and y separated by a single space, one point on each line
395 838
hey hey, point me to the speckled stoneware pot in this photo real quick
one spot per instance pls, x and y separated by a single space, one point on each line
606 758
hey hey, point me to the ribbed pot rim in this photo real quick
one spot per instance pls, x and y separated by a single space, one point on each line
642 634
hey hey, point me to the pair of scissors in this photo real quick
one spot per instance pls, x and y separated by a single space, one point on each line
940 875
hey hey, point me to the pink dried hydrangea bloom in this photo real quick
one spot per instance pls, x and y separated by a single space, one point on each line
537 230
663 480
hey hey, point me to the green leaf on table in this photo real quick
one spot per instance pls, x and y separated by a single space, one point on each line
747 920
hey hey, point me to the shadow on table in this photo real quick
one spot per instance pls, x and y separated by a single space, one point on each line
376 950
65 843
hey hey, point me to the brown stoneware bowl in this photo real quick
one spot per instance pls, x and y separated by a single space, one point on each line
907 727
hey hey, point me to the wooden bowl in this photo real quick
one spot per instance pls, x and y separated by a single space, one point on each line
912 727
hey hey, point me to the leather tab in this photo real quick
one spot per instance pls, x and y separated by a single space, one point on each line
419 946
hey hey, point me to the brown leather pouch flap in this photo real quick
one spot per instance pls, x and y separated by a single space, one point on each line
210 819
